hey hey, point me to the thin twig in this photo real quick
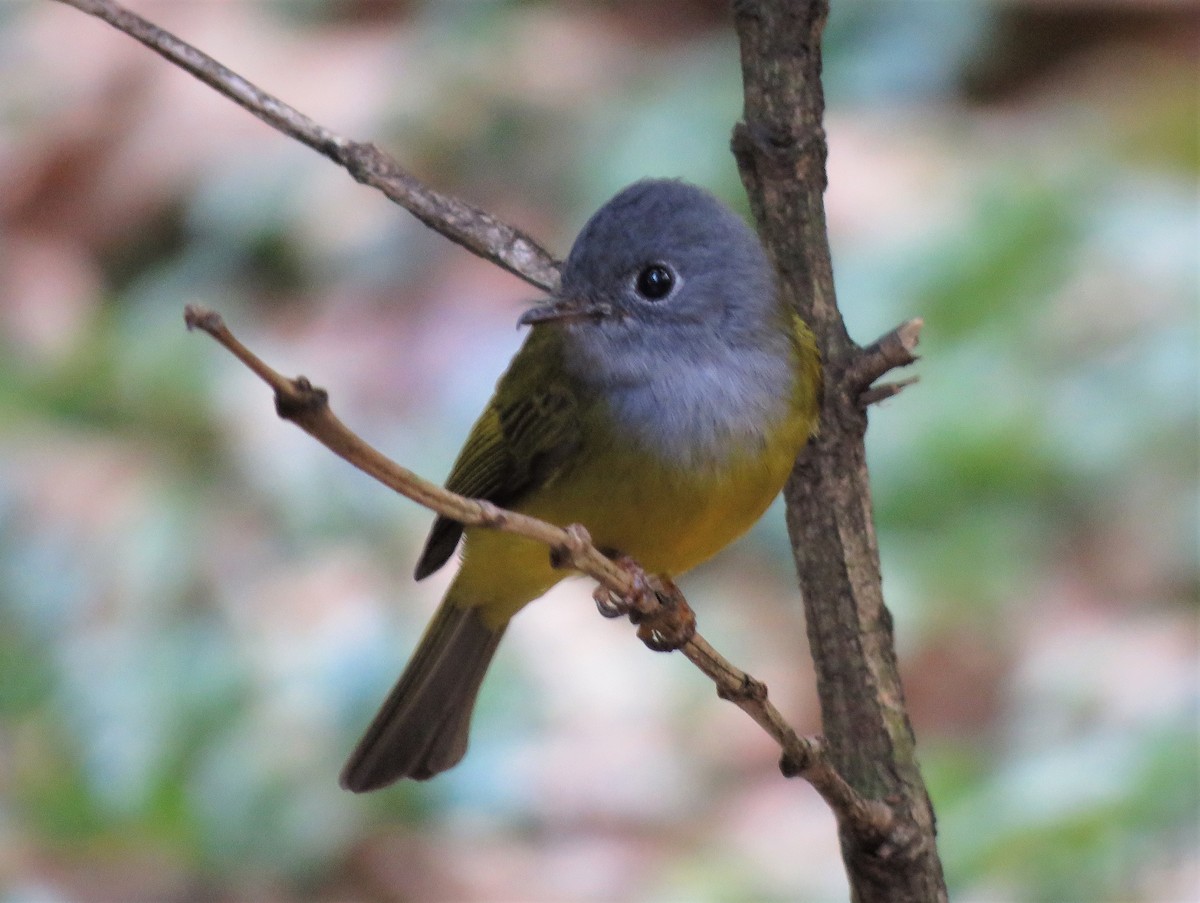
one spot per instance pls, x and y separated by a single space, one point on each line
308 407
883 391
805 757
895 349
464 224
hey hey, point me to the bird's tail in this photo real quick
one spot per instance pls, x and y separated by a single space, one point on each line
421 729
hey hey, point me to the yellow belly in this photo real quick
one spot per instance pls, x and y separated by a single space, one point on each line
667 519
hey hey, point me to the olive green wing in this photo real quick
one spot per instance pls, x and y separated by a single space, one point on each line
516 446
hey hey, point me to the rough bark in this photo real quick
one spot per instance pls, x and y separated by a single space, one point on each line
781 149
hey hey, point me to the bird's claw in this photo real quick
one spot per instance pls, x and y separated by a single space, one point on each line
609 605
664 620
639 601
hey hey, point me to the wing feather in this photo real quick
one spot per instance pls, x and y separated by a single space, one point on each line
518 445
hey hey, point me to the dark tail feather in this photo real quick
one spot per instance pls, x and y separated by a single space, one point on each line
421 729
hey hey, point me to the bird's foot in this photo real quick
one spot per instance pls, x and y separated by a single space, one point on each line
669 626
641 600
663 617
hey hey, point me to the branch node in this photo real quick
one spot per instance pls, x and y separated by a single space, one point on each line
895 349
886 842
800 755
490 515
298 398
779 147
790 765
750 690
369 165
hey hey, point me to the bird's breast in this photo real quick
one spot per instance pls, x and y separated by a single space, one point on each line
672 471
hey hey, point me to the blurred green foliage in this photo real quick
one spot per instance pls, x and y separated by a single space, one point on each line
199 610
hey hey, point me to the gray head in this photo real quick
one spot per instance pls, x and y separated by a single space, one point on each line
664 260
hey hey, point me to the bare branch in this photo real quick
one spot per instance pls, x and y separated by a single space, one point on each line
871 820
895 349
781 151
653 604
462 223
883 391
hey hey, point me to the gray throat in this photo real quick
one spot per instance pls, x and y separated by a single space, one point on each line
706 404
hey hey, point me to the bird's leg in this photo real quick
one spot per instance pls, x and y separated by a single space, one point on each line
663 617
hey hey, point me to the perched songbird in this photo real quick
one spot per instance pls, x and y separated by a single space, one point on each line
659 400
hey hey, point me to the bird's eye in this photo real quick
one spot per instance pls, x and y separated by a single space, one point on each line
655 282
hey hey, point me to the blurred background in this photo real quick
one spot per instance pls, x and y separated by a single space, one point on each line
200 607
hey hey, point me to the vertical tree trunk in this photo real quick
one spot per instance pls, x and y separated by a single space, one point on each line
780 148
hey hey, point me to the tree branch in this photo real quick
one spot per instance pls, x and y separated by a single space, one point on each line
780 149
883 391
896 349
644 599
462 223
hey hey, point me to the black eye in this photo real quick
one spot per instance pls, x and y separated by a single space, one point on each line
655 282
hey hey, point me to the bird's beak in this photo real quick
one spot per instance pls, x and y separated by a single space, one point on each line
565 310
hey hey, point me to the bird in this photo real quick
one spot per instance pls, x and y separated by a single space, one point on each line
659 399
